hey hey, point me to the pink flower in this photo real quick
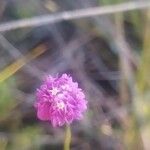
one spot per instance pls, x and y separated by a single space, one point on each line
60 100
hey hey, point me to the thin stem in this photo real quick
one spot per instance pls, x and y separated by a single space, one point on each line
67 138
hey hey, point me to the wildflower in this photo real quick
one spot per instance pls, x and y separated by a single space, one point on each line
60 100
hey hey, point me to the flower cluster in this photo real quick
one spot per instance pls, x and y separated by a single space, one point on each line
60 100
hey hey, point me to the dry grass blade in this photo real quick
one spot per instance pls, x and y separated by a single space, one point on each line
14 67
75 14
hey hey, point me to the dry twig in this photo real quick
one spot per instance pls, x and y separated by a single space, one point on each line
75 14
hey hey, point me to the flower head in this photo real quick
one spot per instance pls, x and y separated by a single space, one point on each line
60 100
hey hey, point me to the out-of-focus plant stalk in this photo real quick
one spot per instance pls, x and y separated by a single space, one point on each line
131 134
67 138
143 82
14 67
142 104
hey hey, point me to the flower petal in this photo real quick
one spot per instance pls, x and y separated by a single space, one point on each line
43 112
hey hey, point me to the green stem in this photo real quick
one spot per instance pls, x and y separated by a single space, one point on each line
67 138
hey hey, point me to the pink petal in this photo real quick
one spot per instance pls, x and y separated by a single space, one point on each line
43 112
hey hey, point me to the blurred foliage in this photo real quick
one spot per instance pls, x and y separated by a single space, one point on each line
25 139
110 2
7 100
142 105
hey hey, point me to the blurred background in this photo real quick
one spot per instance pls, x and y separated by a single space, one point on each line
107 50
